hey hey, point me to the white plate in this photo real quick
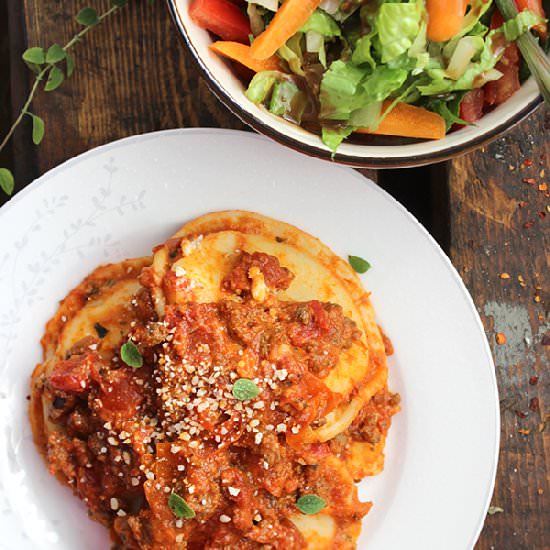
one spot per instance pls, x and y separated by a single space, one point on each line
120 200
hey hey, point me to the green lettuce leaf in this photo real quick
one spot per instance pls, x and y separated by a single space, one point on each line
332 136
398 26
323 23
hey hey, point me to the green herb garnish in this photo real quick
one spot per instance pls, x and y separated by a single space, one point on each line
244 389
310 504
130 355
495 510
179 507
358 264
51 66
100 330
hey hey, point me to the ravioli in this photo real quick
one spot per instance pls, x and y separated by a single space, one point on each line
257 373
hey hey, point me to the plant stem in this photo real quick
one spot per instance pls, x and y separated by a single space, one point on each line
40 76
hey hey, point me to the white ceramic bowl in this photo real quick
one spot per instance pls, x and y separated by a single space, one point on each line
229 89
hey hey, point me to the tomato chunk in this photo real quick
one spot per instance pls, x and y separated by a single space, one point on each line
222 18
471 107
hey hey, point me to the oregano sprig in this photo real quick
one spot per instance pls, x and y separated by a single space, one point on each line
51 67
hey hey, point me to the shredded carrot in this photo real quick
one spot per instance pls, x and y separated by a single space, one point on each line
241 53
287 21
445 18
409 121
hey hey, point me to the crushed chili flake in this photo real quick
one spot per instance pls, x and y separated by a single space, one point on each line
542 214
524 431
537 298
533 381
543 187
529 224
522 204
545 340
521 280
500 338
534 404
504 275
521 414
529 181
527 162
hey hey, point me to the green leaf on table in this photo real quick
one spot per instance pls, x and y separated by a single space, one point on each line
34 55
55 79
118 3
55 54
7 182
69 60
37 129
34 67
87 17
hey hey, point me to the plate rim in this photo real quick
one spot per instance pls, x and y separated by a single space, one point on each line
459 283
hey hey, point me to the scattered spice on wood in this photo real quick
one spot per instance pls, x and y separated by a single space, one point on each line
524 431
543 187
529 224
522 204
504 275
537 298
533 381
529 181
542 214
500 338
521 414
527 162
495 510
534 404
521 281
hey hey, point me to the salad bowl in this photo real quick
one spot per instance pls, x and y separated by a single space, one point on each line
368 152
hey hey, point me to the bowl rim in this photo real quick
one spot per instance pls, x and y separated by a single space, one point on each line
444 154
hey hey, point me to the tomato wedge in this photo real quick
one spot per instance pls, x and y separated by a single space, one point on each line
222 18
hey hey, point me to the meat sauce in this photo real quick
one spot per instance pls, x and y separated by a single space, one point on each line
130 438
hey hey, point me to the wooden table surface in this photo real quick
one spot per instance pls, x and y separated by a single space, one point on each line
489 210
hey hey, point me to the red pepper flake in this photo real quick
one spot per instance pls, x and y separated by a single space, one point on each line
543 187
533 381
521 414
545 340
534 404
537 298
504 275
529 181
529 224
522 204
542 214
523 431
527 162
500 338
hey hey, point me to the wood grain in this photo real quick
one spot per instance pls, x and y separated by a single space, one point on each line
133 76
499 227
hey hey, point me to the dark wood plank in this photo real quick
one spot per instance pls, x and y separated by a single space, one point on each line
499 208
132 76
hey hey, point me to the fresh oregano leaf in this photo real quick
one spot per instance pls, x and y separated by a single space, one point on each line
310 504
7 182
244 389
55 79
87 17
179 507
358 264
129 353
55 54
34 55
37 129
69 60
118 3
